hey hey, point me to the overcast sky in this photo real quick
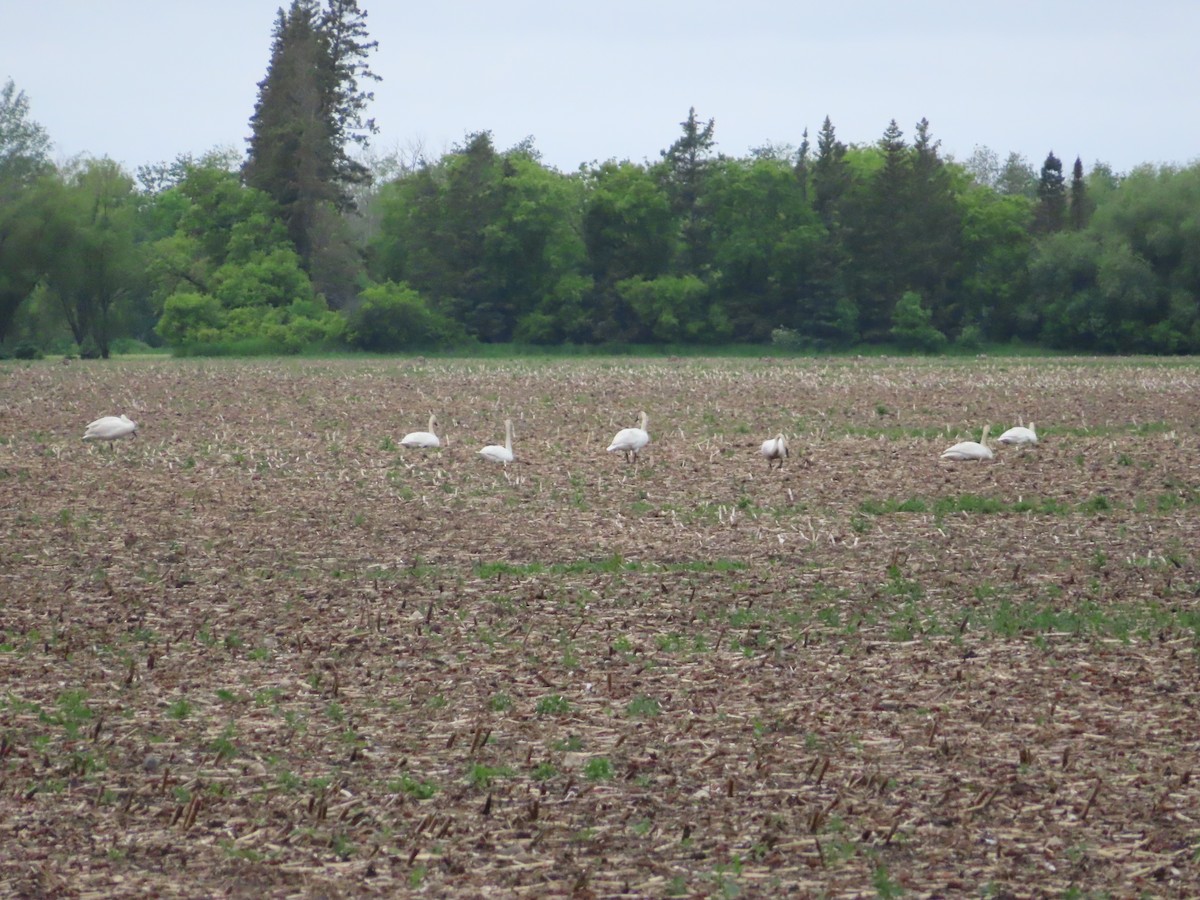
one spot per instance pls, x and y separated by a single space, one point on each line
1112 80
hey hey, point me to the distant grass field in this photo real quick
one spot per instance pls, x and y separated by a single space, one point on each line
262 648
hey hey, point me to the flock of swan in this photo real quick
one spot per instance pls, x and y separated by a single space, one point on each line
629 441
1019 436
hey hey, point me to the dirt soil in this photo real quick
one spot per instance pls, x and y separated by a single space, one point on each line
261 649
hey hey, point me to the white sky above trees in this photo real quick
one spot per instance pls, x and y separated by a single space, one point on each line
143 81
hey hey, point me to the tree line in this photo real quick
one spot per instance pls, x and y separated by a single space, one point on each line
300 243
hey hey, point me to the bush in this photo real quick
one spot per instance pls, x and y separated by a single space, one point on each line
186 315
27 351
786 339
970 339
393 317
912 325
126 346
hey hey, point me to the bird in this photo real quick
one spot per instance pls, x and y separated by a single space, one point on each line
631 440
423 438
774 449
109 428
965 450
1019 436
497 453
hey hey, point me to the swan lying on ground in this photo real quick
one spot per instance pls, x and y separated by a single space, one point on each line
499 454
966 450
423 438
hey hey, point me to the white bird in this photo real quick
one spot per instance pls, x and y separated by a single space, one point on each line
423 438
965 450
631 440
109 428
497 453
775 449
1019 435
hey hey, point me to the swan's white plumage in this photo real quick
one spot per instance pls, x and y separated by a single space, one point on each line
499 454
775 449
630 441
1019 435
423 438
968 450
109 428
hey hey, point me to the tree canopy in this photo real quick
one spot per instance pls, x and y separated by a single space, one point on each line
295 246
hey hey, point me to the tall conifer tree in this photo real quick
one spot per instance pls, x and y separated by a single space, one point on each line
1081 203
1052 196
309 108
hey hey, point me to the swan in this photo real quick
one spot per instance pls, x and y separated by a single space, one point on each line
109 428
965 450
423 438
1019 435
631 440
497 453
775 449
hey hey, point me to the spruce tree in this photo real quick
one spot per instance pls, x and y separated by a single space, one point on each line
1081 203
1052 197
686 164
801 169
309 109
831 175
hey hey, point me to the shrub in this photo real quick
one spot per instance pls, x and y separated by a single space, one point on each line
392 316
912 325
187 314
27 351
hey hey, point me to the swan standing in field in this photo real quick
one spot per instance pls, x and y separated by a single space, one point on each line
423 438
775 449
497 453
631 440
965 450
1019 436
109 428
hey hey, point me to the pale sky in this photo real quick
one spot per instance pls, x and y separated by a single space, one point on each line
144 81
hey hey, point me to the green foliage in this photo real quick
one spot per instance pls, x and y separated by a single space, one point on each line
912 326
190 317
885 243
668 308
392 317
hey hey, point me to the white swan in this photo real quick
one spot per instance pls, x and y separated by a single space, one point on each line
497 453
109 428
965 450
423 438
631 440
775 449
1019 435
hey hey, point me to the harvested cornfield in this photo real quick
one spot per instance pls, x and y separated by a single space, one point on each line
262 649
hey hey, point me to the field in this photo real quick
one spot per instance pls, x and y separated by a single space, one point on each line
263 650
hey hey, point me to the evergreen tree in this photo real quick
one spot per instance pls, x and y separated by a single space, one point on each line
831 177
877 236
1081 204
1052 197
685 165
802 167
1017 178
934 230
309 107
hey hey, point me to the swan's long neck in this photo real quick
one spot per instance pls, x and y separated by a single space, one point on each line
508 435
986 429
432 423
643 420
